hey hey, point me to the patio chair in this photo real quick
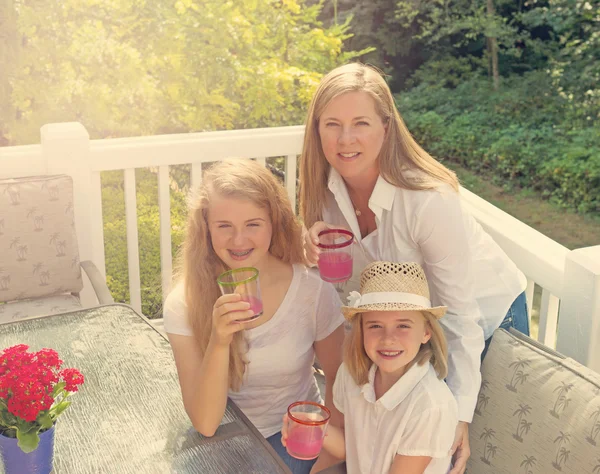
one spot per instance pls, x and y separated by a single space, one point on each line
40 271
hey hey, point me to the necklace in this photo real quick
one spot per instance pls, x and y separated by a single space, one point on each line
356 209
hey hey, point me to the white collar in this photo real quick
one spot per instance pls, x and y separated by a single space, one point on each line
397 392
381 198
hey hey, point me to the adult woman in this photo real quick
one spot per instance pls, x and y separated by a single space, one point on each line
242 218
361 169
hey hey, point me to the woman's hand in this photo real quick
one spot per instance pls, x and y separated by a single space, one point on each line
460 449
311 241
226 311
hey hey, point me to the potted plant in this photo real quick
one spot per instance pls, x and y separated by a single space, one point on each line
34 391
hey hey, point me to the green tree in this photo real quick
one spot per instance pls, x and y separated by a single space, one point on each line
9 47
138 67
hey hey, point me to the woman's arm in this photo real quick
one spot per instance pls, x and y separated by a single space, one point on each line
441 230
409 464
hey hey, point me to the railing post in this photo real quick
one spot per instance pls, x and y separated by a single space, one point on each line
66 149
579 317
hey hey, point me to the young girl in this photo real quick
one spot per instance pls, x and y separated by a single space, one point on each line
362 170
242 218
399 415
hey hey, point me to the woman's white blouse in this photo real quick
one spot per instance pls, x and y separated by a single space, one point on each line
417 416
466 270
281 352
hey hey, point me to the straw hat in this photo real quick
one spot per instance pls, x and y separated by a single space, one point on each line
388 286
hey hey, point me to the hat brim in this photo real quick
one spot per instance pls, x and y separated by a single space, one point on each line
349 311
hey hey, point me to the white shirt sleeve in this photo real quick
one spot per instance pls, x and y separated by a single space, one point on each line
438 227
175 313
328 311
429 433
339 390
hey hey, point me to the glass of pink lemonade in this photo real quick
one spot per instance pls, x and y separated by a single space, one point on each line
335 260
243 281
307 424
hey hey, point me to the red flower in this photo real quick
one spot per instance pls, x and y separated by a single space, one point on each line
28 380
73 379
49 357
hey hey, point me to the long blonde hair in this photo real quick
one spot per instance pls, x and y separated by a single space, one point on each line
434 351
199 264
399 153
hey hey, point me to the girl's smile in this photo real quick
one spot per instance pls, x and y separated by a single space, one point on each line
240 255
392 339
390 355
240 231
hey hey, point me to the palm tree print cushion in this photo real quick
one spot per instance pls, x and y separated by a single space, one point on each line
38 245
537 412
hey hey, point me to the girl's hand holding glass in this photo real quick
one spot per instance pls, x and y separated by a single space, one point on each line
243 281
303 430
227 311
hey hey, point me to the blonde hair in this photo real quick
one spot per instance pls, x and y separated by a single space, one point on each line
399 153
199 264
434 351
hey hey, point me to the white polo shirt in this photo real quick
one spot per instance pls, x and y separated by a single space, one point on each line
416 417
466 270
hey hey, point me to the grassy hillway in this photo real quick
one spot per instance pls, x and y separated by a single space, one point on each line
564 226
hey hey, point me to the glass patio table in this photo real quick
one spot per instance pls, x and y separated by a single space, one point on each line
128 416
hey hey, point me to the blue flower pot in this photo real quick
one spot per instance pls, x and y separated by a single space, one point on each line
36 462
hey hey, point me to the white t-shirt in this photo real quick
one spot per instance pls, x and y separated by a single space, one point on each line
466 270
280 351
416 417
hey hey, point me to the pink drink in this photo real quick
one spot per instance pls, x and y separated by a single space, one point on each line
304 442
335 266
255 305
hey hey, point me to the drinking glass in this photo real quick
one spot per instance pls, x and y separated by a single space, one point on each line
335 259
307 424
243 281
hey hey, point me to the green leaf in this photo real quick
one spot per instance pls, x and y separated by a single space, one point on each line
57 388
59 408
28 441
45 420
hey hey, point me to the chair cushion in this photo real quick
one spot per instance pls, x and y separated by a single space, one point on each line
47 306
38 244
537 412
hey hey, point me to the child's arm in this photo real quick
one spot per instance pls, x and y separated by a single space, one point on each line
334 442
409 464
204 380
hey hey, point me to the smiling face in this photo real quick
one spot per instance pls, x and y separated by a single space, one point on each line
240 231
392 339
352 135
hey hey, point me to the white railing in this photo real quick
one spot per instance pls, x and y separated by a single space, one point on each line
570 280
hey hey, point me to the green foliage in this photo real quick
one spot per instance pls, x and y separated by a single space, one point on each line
115 235
142 67
521 135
